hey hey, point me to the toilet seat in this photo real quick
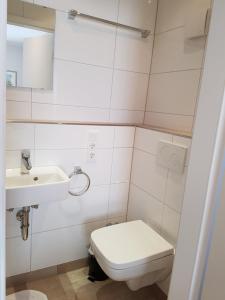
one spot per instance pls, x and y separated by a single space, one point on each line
27 295
130 244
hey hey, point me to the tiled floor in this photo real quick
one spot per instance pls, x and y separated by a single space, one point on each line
75 286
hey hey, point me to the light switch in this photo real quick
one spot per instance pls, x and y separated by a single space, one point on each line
92 139
171 156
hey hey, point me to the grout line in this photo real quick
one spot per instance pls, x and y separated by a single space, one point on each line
30 236
150 69
199 88
114 61
70 105
102 66
86 107
66 149
18 101
31 97
144 151
111 169
146 192
105 219
152 196
167 113
175 71
131 169
170 29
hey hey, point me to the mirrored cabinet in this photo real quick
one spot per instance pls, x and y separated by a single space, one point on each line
30 45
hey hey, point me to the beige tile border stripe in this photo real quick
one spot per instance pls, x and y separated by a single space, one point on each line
160 129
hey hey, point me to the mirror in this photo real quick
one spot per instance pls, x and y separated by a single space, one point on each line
30 45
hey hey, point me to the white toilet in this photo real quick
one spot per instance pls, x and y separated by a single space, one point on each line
27 295
132 252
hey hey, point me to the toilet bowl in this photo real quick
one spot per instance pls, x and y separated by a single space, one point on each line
132 252
27 295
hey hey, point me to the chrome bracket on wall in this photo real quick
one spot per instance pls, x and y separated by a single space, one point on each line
78 171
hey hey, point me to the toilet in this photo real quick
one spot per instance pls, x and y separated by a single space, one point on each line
132 252
27 295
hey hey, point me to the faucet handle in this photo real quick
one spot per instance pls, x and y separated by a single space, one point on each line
25 153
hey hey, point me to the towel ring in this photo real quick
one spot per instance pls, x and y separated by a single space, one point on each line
78 171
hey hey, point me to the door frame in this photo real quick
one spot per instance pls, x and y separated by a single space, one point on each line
199 200
2 145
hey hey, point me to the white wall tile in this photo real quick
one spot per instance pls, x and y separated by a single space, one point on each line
169 121
18 110
174 92
99 170
107 9
84 41
133 53
173 53
138 13
121 166
144 207
170 14
72 136
68 113
90 207
59 137
18 94
118 199
82 85
147 140
148 175
17 256
124 136
127 116
129 90
175 190
43 96
19 136
82 92
170 225
60 246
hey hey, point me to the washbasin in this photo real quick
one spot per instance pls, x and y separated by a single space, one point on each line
41 185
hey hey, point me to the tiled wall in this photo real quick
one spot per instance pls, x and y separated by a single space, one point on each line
156 193
175 70
100 72
60 231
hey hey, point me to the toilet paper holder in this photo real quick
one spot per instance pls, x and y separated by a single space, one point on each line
78 171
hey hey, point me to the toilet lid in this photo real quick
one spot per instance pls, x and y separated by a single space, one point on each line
27 295
129 244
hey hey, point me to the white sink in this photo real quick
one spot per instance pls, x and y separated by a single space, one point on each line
41 185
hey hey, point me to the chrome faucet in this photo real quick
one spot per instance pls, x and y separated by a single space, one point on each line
25 162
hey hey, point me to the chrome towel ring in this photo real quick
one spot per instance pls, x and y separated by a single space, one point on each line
78 171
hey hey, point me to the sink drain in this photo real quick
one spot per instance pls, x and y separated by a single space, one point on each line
35 178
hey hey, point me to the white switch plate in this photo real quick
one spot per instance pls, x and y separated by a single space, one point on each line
92 139
171 156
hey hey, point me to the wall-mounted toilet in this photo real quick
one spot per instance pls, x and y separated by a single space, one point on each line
132 252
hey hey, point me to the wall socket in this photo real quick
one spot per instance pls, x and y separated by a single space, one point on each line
92 144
